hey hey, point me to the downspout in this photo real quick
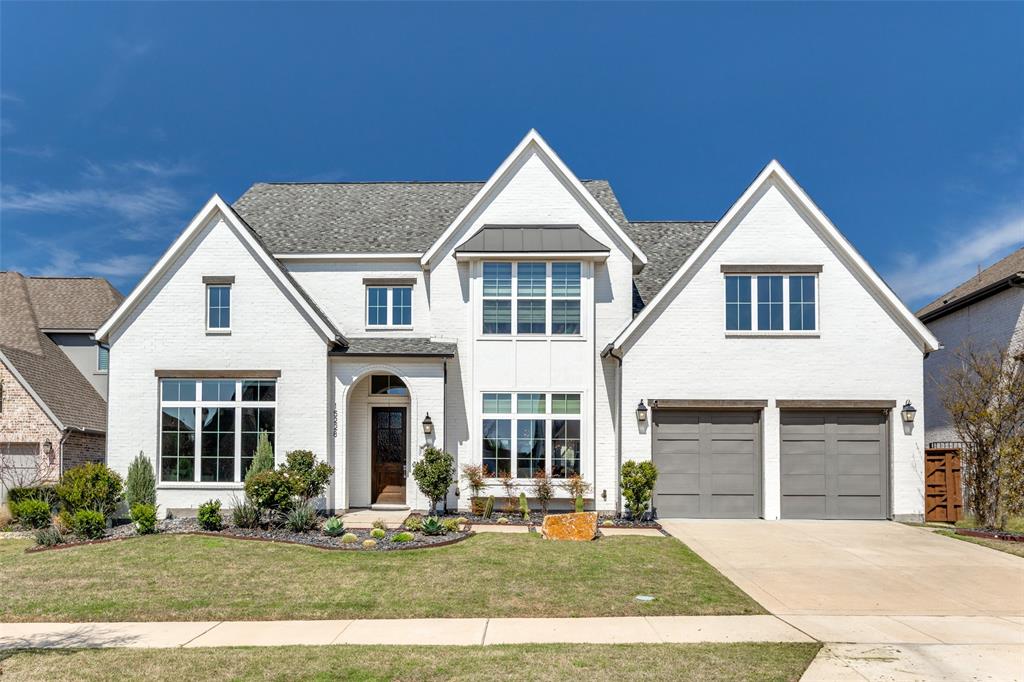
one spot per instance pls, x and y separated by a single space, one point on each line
610 350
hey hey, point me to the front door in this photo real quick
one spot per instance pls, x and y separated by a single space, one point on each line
388 439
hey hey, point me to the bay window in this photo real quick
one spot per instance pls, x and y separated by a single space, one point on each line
209 428
521 300
541 429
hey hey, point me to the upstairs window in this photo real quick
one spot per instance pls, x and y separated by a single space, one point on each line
102 358
218 306
772 313
497 298
388 306
532 298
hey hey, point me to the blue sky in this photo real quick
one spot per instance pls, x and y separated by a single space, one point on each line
905 122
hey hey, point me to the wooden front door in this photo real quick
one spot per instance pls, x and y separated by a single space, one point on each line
387 454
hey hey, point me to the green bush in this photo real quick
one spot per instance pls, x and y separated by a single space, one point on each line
637 481
47 493
140 484
31 513
301 518
369 543
349 538
434 475
378 533
432 526
144 518
91 486
451 525
414 523
49 536
209 515
245 514
489 507
380 523
334 526
502 520
88 523
524 508
269 490
308 477
263 458
580 505
404 536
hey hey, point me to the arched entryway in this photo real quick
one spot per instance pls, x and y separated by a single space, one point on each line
379 440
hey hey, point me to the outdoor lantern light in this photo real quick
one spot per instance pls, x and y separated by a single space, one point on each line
428 425
908 413
641 412
47 448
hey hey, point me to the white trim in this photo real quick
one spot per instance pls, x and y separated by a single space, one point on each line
532 255
389 308
532 140
210 210
31 391
218 330
774 171
347 256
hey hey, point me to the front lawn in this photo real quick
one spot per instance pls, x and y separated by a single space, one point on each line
553 662
1016 548
185 577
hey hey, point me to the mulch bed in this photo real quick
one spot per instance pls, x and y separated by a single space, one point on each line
991 534
537 519
189 526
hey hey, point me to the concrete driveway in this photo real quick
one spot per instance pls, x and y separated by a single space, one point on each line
857 568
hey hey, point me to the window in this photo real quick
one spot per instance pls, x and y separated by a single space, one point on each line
773 291
387 384
102 358
542 291
209 429
218 306
389 306
545 437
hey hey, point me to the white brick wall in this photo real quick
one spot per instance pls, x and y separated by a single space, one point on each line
861 353
993 322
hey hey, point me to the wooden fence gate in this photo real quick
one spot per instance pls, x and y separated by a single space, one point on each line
943 494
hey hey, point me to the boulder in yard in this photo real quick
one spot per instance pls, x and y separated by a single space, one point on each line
580 527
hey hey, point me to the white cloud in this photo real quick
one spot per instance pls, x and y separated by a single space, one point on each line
130 204
956 258
8 96
44 152
68 263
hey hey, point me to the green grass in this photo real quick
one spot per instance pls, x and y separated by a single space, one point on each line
183 577
1014 524
1015 548
553 662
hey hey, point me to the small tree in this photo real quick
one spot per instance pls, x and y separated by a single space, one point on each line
637 481
434 475
983 393
576 486
308 477
140 485
542 489
263 458
474 475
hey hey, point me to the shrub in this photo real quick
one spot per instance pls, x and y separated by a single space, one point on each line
62 522
607 523
309 478
47 493
451 525
489 507
48 537
474 475
209 515
543 490
404 536
502 520
462 520
509 484
524 508
434 475
334 526
140 484
245 514
349 538
369 543
263 458
637 481
301 517
88 523
31 513
144 518
378 533
269 490
91 486
380 523
414 523
581 505
432 526
576 486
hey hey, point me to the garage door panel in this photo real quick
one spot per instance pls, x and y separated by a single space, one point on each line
678 447
681 483
678 505
854 507
858 485
803 447
859 464
802 465
733 506
733 447
803 507
732 483
679 464
733 464
860 447
804 485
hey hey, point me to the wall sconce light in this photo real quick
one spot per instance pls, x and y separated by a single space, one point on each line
47 448
428 426
641 413
604 494
908 413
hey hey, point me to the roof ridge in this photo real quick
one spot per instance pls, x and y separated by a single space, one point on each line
390 182
680 222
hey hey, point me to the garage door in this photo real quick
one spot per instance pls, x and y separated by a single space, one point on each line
709 463
834 465
19 461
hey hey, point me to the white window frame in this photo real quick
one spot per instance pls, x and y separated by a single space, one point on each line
389 306
99 353
197 406
755 330
549 298
206 303
548 417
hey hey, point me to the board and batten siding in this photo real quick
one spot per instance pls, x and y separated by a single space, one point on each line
860 354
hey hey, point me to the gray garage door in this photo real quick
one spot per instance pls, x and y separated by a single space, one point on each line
709 464
19 461
834 465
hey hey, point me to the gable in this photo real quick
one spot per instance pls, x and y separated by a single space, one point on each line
774 221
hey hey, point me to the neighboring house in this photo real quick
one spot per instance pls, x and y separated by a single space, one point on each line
986 311
519 323
53 373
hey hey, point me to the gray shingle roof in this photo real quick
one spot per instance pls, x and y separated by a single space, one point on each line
27 302
374 217
988 278
536 238
667 244
373 345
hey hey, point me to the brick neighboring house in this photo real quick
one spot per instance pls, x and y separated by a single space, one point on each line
53 383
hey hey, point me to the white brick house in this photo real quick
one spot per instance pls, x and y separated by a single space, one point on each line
529 319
